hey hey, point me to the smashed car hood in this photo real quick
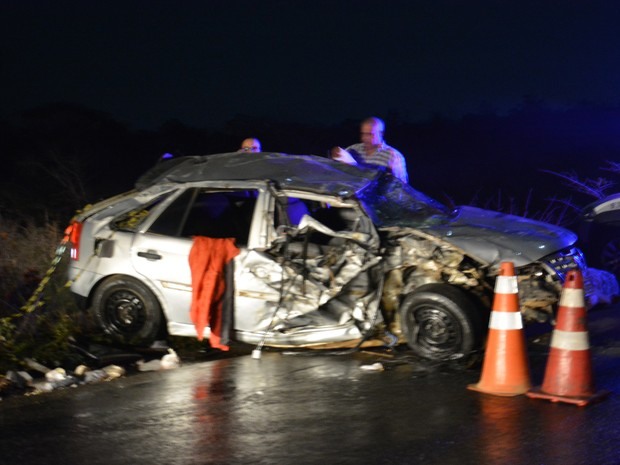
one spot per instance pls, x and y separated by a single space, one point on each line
313 173
517 239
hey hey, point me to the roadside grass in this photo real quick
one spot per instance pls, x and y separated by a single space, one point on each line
38 318
562 210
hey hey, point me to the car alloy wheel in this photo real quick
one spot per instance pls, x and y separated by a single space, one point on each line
126 310
440 321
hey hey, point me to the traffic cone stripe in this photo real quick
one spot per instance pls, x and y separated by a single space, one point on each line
570 340
568 375
572 298
505 370
506 285
505 320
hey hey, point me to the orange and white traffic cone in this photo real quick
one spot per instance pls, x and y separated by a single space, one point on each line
505 370
568 374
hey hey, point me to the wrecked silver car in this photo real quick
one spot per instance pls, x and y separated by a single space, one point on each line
325 254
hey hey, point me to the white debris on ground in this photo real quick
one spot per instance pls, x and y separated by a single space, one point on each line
378 366
167 362
21 381
59 378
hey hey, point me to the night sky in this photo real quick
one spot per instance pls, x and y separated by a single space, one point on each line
203 62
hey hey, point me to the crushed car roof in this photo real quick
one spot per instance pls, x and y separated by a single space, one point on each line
305 172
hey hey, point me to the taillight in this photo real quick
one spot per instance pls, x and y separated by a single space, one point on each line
74 238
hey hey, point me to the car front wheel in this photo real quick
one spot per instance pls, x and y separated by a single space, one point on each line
440 321
127 311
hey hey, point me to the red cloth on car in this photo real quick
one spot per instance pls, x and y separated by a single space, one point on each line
207 260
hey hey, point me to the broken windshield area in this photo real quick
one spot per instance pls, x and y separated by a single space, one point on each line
389 202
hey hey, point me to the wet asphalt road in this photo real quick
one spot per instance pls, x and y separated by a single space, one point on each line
320 409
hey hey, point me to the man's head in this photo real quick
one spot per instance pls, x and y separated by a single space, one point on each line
250 144
371 132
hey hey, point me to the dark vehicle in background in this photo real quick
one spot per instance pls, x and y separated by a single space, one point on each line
329 254
600 233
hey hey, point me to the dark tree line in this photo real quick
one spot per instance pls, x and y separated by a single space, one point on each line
60 157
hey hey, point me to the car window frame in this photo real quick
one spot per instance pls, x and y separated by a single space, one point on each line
257 235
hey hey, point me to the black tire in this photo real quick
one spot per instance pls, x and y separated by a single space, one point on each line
441 322
127 311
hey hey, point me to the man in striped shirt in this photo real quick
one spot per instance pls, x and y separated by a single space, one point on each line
373 150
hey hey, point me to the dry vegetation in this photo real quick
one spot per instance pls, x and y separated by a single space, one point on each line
26 248
560 210
37 315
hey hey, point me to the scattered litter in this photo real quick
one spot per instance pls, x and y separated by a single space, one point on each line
55 379
40 379
80 370
94 376
36 366
56 375
151 365
169 361
20 379
378 366
114 371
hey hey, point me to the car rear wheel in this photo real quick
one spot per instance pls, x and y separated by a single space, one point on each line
440 321
127 311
